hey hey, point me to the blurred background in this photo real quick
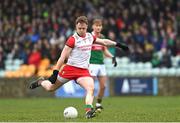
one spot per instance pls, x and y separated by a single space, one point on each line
33 33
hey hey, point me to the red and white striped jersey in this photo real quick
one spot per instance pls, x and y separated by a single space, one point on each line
81 50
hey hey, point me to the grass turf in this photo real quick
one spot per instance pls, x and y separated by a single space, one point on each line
117 109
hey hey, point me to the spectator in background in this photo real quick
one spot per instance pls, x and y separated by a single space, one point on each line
35 56
57 43
156 60
2 57
148 51
166 59
178 46
45 48
138 21
54 40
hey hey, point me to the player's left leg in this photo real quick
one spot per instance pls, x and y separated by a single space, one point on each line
88 84
102 87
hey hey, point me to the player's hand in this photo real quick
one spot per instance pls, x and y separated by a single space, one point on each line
114 61
53 77
122 46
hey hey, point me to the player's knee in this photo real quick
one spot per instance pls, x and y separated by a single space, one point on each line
90 89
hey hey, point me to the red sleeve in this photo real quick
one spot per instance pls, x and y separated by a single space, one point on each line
94 38
70 42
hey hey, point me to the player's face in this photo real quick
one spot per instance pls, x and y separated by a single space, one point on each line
97 27
81 28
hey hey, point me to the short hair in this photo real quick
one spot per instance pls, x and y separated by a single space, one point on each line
97 21
82 19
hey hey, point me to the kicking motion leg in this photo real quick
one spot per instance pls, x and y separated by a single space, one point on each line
36 83
51 84
46 84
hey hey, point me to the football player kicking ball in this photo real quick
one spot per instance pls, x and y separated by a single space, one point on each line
77 52
97 68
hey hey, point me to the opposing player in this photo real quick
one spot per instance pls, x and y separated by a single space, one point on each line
77 52
97 68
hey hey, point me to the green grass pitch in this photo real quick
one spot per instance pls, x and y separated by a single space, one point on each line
117 109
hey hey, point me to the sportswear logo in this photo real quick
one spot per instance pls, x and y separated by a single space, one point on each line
125 86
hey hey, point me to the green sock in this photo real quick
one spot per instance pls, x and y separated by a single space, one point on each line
88 107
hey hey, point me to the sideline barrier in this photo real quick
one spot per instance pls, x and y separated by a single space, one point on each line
163 86
18 87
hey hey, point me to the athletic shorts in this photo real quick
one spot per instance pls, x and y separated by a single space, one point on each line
69 72
97 70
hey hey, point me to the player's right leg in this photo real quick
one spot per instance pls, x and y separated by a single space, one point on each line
36 83
88 84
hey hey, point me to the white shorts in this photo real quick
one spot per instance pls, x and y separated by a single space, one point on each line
97 70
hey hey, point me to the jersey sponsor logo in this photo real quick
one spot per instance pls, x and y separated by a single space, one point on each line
85 47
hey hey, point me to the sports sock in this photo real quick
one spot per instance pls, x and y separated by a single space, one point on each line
99 100
98 104
88 107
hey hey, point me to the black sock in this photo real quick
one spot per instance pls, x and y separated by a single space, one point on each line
99 100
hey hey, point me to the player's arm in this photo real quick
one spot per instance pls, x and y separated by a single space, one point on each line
65 52
107 42
108 54
64 55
